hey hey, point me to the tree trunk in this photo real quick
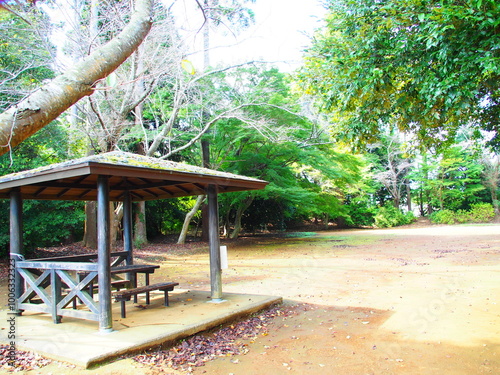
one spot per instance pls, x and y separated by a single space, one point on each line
115 217
90 235
408 195
237 224
48 102
421 202
140 233
239 213
188 218
396 202
494 200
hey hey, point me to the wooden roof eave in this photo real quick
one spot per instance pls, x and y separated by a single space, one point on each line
46 176
77 180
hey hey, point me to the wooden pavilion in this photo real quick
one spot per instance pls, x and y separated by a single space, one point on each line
113 176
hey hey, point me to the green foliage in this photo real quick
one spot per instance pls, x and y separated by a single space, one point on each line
167 215
457 183
272 141
478 213
24 56
481 213
443 217
359 213
389 216
231 11
49 223
425 66
46 223
47 146
269 212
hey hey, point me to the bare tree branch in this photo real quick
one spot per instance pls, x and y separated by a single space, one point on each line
49 101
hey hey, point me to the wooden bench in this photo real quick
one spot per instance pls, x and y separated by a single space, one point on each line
125 295
118 284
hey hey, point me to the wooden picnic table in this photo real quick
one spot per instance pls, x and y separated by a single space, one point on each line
132 271
146 269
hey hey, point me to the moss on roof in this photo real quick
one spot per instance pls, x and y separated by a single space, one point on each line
125 159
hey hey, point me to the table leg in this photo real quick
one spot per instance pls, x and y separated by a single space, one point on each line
165 302
134 281
122 306
146 278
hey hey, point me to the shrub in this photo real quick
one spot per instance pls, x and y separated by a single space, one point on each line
462 216
479 213
390 216
359 215
443 217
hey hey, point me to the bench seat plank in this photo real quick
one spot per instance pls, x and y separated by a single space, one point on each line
124 295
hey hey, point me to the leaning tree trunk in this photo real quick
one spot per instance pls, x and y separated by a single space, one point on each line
188 218
48 102
239 213
494 200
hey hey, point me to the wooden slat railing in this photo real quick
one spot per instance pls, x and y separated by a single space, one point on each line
44 281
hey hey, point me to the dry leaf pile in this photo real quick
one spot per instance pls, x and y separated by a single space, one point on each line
228 341
24 361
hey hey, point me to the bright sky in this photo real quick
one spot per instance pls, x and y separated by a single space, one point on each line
281 31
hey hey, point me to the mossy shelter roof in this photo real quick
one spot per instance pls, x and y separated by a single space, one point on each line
144 177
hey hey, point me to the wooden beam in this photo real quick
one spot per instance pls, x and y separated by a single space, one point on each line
166 191
39 191
64 185
62 192
151 192
180 187
76 258
137 195
58 265
158 184
82 195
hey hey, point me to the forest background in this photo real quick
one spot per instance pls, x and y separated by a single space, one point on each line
392 115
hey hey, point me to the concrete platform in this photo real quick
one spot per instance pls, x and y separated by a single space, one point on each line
79 342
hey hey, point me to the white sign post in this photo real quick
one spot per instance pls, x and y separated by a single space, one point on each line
223 257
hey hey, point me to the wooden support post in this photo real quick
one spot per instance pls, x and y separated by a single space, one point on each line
128 237
16 239
127 228
55 286
214 244
103 255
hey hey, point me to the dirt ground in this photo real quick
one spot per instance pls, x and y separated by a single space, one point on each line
414 300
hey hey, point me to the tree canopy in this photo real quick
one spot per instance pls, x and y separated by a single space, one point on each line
398 74
424 66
